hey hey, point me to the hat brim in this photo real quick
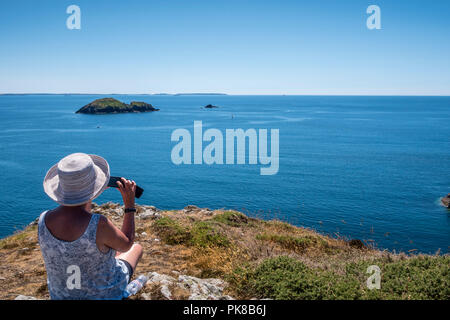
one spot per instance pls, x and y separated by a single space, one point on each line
52 189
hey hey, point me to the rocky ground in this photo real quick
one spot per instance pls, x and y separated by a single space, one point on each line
194 253
23 272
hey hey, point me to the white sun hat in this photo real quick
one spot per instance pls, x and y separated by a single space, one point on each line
76 179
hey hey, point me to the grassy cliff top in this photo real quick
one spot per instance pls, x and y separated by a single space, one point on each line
257 258
138 103
106 102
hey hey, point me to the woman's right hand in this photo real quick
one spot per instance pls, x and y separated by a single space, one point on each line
128 189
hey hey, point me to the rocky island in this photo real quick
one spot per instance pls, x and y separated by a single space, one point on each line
446 201
111 105
198 253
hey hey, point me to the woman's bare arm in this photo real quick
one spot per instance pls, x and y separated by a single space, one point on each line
113 237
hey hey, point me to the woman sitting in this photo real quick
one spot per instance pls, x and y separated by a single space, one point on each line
86 256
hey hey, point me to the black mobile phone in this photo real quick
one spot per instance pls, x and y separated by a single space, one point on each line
113 183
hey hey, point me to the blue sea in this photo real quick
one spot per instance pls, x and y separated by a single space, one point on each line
371 168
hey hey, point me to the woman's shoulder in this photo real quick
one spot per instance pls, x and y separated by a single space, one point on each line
104 227
49 213
42 217
101 218
103 224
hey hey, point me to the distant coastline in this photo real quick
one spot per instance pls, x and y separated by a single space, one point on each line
114 94
224 94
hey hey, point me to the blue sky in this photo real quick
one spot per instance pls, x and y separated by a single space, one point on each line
235 47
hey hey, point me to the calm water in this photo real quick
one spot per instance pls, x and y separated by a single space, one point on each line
372 168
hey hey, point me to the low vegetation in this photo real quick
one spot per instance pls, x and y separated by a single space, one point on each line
204 235
420 277
298 244
171 231
259 259
201 234
21 240
231 218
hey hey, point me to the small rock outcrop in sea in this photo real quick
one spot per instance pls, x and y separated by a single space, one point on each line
446 201
111 105
210 106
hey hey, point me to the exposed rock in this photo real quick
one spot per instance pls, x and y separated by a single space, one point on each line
155 277
34 222
191 209
210 106
25 249
206 212
117 212
150 208
446 201
138 106
114 210
162 280
146 296
111 105
166 292
149 212
203 289
22 297
197 289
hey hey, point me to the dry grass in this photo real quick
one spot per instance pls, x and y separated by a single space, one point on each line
22 268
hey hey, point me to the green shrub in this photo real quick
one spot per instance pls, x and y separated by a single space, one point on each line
280 278
290 242
420 277
287 278
231 218
202 234
281 225
205 235
171 231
